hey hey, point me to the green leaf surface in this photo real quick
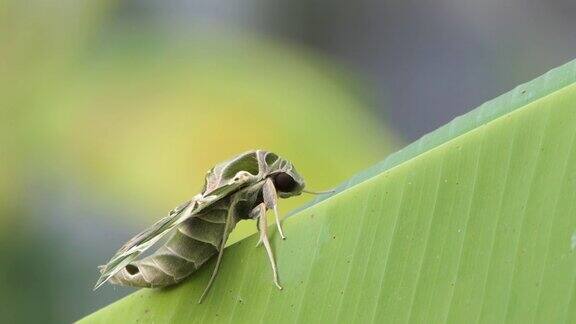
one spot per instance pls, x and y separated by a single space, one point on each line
474 222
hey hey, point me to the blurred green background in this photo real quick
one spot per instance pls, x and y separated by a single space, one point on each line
112 111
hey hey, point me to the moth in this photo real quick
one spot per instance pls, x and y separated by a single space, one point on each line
244 187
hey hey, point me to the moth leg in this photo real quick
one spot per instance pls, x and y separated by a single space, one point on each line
259 236
219 259
271 201
263 226
214 272
256 214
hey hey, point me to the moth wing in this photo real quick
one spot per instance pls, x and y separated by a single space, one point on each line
147 238
144 240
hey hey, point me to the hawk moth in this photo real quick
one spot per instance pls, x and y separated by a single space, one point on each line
244 187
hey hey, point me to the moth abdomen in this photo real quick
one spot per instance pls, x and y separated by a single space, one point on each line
193 243
203 231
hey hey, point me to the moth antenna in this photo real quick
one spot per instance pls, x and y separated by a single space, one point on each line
318 192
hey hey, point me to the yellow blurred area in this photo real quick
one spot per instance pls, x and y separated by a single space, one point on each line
147 136
144 125
93 118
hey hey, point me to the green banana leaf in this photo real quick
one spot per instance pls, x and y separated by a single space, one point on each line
475 222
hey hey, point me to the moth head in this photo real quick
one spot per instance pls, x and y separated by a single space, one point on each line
284 176
288 183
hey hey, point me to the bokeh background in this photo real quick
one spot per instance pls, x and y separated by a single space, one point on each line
112 111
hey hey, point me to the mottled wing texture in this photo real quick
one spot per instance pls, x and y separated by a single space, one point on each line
192 243
144 240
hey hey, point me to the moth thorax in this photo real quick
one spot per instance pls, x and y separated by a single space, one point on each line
241 176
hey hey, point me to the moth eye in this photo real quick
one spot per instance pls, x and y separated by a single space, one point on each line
132 269
284 182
